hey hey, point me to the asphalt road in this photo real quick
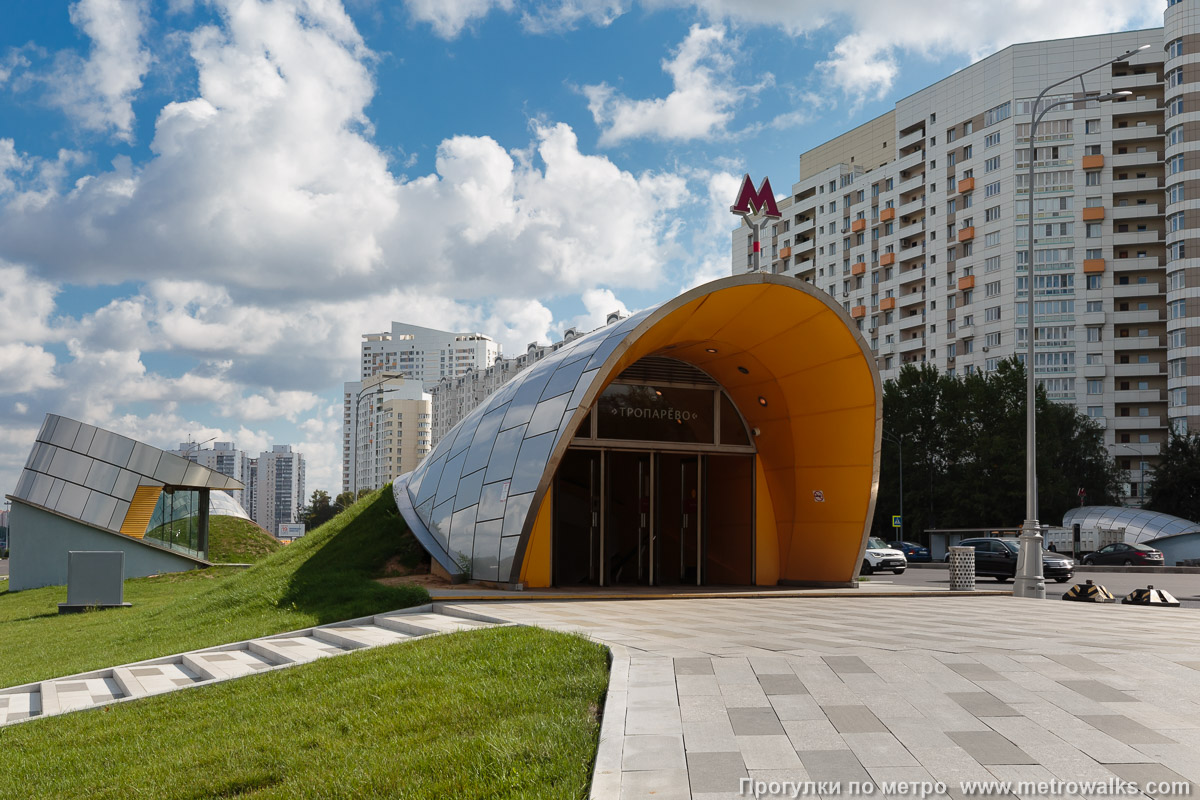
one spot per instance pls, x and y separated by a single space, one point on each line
1185 588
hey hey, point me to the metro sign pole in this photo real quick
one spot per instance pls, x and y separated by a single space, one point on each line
755 207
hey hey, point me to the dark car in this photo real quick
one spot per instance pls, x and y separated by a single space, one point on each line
997 558
912 551
1127 554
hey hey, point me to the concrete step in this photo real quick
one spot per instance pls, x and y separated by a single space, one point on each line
181 671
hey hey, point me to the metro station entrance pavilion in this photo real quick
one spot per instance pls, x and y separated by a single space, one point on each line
727 437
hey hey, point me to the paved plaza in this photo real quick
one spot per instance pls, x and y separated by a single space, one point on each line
708 692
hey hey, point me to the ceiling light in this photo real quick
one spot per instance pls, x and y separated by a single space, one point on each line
762 401
710 350
743 370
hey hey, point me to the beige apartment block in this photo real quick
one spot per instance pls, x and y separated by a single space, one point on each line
386 428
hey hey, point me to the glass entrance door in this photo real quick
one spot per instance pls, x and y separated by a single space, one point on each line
680 520
628 518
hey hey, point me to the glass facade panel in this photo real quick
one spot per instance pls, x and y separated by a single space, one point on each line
65 432
70 466
448 484
515 512
72 500
526 399
564 378
99 509
531 463
504 454
655 414
102 477
491 500
469 487
462 538
548 415
485 437
83 439
112 448
486 555
144 459
175 522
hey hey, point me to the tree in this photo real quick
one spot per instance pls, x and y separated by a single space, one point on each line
1175 482
964 451
347 499
318 511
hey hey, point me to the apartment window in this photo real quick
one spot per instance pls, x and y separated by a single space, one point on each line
992 214
1092 178
1095 387
1094 253
968 127
1175 221
992 264
991 189
996 114
992 289
950 135
1094 230
993 339
991 314
968 296
951 205
1174 107
992 164
1093 334
1175 164
1174 77
967 152
1095 412
1093 281
1095 305
991 239
1175 251
951 158
1175 48
1175 193
1091 126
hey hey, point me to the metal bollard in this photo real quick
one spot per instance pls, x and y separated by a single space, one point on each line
962 569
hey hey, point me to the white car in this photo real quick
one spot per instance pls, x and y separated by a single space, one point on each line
880 556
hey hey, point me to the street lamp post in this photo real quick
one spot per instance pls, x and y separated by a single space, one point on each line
891 437
1029 579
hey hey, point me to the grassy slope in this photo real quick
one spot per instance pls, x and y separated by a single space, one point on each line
233 540
324 577
501 713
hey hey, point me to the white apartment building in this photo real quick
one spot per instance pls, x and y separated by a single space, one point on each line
278 488
425 354
454 398
917 223
386 430
225 458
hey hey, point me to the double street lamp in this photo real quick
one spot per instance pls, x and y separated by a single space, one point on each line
891 437
1029 579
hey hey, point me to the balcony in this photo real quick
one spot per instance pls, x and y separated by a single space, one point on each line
1135 211
912 207
1146 159
1147 317
1093 162
1093 265
887 214
1125 108
916 251
858 312
968 233
1135 423
914 275
1134 238
1137 264
1092 213
1147 289
1093 370
909 161
887 259
912 321
1138 185
887 304
966 282
1140 396
911 299
915 182
1122 82
966 185
858 226
1136 132
785 252
859 268
912 229
1139 370
1139 342
910 139
909 345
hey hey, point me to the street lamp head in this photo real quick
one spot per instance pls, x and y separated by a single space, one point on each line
1130 53
1113 96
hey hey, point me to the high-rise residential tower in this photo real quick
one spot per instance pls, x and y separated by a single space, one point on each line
279 487
917 222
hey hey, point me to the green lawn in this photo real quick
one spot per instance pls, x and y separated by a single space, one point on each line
500 713
325 576
233 540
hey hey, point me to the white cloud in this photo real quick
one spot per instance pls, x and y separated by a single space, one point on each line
98 92
700 106
448 18
567 14
599 304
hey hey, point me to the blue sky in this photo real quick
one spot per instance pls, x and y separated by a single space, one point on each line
206 203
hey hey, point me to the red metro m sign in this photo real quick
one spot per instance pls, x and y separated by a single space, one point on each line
751 202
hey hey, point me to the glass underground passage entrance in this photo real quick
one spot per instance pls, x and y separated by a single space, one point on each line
657 487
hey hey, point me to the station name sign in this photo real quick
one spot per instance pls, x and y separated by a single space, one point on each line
679 415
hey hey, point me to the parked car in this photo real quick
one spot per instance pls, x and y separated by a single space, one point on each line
997 558
912 551
1127 554
880 556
